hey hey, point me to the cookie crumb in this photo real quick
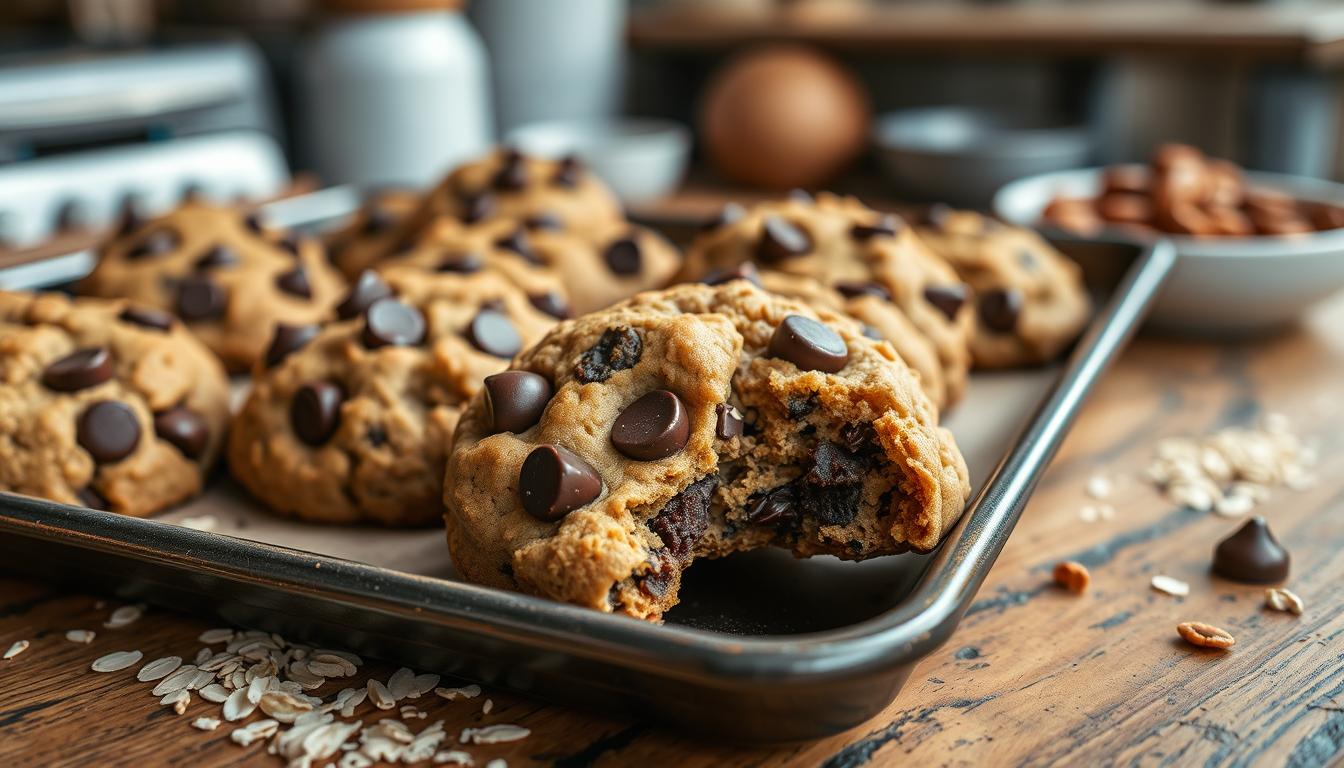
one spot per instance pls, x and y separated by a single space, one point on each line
1073 576
1171 586
1100 487
1205 635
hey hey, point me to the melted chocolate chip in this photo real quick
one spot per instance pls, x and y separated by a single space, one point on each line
887 226
200 298
684 519
832 488
618 349
999 309
108 430
568 172
315 411
518 242
623 256
554 481
858 438
147 318
512 174
156 243
552 304
184 429
727 421
781 239
368 288
653 427
295 283
1251 555
729 214
851 289
376 436
798 407
493 333
78 370
773 507
744 271
808 344
288 339
218 256
948 299
390 323
515 400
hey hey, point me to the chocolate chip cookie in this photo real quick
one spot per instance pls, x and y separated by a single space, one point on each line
693 422
372 233
227 276
351 422
105 404
848 246
1030 301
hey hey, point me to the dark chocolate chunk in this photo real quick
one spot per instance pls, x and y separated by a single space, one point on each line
156 243
727 422
218 256
477 207
376 436
568 172
554 481
200 298
315 412
653 427
623 256
773 507
91 498
512 174
798 407
147 318
108 430
78 370
518 242
949 299
515 400
730 213
656 581
781 239
295 283
832 488
287 340
390 323
545 222
887 226
685 518
368 288
493 333
808 344
1251 555
618 349
850 289
183 428
744 271
833 465
552 304
999 309
462 263
858 438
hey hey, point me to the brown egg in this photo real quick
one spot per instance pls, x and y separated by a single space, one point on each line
783 116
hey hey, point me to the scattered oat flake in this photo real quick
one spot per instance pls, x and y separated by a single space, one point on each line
261 729
494 734
116 661
18 647
80 636
401 684
487 706
380 696
123 616
178 700
498 762
1285 600
1099 487
215 693
453 757
465 692
217 635
159 669
205 723
1205 635
1171 586
238 706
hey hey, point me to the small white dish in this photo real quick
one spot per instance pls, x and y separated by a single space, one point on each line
1220 285
641 159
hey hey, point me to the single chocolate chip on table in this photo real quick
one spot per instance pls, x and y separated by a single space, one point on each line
728 421
618 349
653 427
781 239
1251 555
623 256
315 412
555 481
288 339
515 400
78 370
949 299
183 428
368 288
147 318
108 430
808 344
552 304
295 283
491 332
390 323
999 309
200 298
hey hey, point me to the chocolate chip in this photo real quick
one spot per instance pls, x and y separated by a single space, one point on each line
727 422
798 407
999 309
808 344
200 298
729 214
390 323
887 226
477 207
832 488
618 349
773 507
518 242
156 243
660 577
851 289
512 175
92 499
290 243
295 283
108 430
376 436
552 304
568 172
623 256
462 263
833 465
684 519
491 332
78 370
315 411
368 288
858 438
937 215
217 257
781 239
744 271
183 428
1251 555
544 221
147 318
515 400
288 339
949 299
653 427
554 481
255 222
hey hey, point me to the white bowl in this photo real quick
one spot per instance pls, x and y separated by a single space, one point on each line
1220 285
640 159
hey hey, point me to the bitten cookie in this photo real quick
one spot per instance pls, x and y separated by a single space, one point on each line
372 233
351 423
848 246
105 404
230 279
686 423
1030 301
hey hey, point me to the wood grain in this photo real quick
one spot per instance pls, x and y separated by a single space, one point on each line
1033 676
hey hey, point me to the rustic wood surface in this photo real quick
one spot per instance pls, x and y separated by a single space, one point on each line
1033 675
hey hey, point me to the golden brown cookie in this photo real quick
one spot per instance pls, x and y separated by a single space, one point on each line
688 423
227 277
105 404
372 233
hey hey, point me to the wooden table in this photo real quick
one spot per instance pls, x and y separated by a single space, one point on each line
1033 675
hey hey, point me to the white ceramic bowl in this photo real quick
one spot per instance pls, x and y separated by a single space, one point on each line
1220 285
640 159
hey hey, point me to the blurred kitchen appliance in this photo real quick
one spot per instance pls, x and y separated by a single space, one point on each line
83 133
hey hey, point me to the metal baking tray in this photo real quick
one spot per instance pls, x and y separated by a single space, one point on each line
763 647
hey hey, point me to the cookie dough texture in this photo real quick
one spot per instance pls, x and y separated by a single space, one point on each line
394 406
167 397
226 276
1030 300
849 463
843 244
